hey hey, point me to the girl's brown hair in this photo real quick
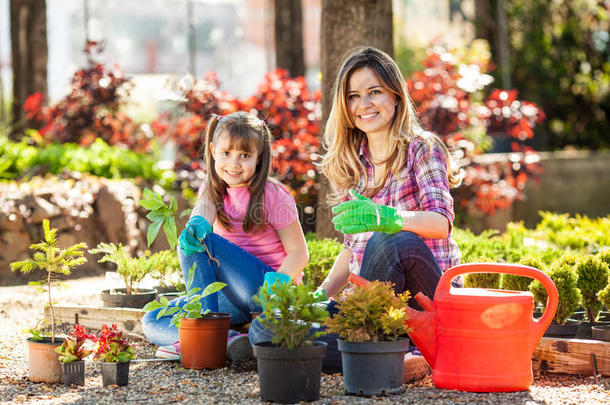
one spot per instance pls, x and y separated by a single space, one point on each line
248 133
341 164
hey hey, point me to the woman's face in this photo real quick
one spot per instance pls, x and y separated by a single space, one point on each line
370 105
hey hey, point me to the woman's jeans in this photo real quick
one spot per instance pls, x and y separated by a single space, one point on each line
402 258
241 271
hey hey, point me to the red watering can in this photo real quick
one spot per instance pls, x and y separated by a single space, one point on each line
478 339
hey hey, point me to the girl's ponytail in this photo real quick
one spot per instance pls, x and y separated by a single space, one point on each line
208 137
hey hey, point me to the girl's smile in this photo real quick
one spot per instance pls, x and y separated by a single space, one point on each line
233 165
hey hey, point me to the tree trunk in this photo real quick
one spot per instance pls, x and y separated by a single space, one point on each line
289 36
29 56
345 25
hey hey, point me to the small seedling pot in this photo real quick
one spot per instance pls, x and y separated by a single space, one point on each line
73 373
115 373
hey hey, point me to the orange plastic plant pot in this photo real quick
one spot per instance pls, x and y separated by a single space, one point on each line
203 342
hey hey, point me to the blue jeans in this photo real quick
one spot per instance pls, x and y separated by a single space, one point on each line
241 271
402 258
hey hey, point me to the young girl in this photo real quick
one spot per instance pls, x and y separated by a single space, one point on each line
393 180
256 233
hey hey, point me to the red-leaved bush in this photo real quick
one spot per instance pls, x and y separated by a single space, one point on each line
450 102
90 110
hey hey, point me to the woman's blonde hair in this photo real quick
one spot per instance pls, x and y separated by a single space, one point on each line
341 163
248 133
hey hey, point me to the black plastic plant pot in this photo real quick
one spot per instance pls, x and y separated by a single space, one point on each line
601 333
566 330
289 375
73 373
118 298
373 368
115 373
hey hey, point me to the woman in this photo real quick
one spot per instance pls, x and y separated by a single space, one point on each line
392 179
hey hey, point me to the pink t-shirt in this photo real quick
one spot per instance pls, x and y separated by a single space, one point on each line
280 211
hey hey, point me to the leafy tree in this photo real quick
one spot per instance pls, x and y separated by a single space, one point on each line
561 60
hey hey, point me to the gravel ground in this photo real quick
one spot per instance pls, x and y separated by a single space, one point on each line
166 382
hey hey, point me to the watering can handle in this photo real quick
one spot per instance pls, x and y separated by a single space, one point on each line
517 269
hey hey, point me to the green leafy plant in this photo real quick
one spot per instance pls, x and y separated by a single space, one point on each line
192 308
99 159
371 313
482 280
72 348
131 270
112 348
163 265
592 274
289 312
161 215
565 279
520 283
36 332
55 261
322 255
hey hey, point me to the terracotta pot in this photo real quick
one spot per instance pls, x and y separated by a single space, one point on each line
203 342
43 361
117 297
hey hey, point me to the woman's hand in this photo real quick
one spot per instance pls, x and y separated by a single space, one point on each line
364 215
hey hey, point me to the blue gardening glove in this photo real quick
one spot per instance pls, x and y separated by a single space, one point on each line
364 215
273 277
193 234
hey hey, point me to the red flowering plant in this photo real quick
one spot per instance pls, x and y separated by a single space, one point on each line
112 348
72 348
448 94
91 110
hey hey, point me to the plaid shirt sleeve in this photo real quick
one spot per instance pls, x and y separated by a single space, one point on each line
430 169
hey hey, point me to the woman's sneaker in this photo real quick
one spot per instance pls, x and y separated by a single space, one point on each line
170 352
416 367
238 347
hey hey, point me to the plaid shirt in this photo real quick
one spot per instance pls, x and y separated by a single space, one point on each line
420 186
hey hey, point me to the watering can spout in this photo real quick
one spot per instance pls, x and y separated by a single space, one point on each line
421 325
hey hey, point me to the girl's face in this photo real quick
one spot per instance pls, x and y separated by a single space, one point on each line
370 105
236 167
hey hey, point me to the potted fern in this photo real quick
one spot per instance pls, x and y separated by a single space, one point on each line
42 359
131 270
290 366
371 328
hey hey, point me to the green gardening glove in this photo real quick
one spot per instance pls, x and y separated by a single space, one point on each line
363 215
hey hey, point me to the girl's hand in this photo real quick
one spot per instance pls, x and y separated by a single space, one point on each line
193 234
364 215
